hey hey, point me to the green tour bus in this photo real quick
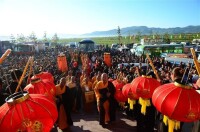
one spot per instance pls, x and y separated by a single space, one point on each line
158 49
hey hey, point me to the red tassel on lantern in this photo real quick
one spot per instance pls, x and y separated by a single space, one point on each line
27 112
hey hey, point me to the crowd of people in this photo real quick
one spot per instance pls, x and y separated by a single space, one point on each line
93 74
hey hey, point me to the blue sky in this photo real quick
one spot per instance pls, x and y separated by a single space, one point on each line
85 16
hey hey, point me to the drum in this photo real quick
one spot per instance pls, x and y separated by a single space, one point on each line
89 97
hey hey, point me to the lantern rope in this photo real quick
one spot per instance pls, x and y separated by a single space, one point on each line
131 102
172 124
144 103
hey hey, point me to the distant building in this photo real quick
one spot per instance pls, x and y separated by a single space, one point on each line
151 41
38 46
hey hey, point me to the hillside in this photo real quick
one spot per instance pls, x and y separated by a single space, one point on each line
145 31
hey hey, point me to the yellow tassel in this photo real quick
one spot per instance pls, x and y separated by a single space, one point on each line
131 103
165 118
177 125
144 103
172 124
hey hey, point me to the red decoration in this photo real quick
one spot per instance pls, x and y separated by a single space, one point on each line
37 86
126 91
120 97
118 84
62 63
75 64
178 102
27 112
44 76
107 59
144 86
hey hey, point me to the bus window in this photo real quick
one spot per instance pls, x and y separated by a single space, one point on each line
158 49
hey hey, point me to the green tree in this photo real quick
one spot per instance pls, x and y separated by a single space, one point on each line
55 39
166 38
138 36
32 37
12 38
45 37
21 38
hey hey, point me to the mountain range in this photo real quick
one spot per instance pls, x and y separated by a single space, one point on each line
144 30
133 30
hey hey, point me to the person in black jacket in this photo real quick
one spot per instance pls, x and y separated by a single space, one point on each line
2 93
176 76
112 101
145 123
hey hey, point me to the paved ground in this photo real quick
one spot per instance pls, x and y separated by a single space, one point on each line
88 122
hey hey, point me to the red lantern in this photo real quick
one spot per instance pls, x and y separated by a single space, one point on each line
126 91
144 87
107 59
120 97
118 84
44 76
177 102
37 86
62 63
27 112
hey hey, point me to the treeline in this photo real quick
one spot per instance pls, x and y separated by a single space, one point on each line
167 38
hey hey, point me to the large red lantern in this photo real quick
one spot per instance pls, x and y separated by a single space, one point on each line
37 86
27 112
62 63
144 87
178 103
118 84
44 76
120 97
126 91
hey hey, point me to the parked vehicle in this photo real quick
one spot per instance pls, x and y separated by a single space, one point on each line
133 49
115 46
156 50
